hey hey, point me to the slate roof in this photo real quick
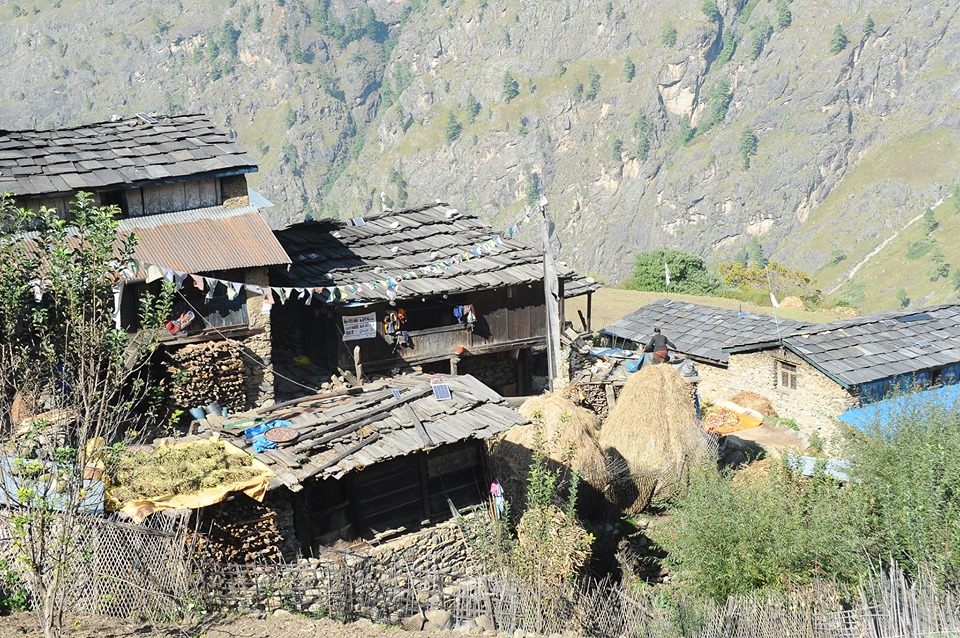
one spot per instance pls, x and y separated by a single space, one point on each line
882 345
701 332
347 432
390 244
205 239
124 153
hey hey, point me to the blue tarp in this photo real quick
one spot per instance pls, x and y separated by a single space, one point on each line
11 483
836 469
883 412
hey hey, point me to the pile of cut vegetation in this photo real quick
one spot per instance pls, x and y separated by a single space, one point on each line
754 401
177 470
566 434
652 438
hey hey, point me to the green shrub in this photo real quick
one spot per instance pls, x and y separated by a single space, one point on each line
511 88
629 70
452 128
711 10
907 472
688 273
593 83
868 26
902 298
748 145
734 536
783 16
919 248
13 595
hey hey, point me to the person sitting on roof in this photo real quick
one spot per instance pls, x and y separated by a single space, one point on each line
658 345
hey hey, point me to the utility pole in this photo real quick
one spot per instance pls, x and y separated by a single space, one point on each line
551 293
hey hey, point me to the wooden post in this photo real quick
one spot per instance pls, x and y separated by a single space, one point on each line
357 366
453 365
551 294
590 311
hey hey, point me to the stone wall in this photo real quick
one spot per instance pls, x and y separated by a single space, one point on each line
258 366
813 404
497 371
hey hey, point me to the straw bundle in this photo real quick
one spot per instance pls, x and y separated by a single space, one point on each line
652 438
568 438
754 401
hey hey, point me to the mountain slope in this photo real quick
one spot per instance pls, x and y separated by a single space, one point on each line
345 100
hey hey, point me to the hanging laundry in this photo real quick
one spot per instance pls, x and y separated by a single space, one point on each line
197 281
469 315
177 325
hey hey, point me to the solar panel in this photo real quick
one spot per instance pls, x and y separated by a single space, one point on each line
358 221
909 318
441 391
396 394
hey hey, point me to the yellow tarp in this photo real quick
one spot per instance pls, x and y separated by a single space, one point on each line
255 488
744 422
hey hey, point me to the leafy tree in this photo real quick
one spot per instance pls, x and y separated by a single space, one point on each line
668 35
686 131
755 276
511 88
593 83
757 258
838 41
576 91
616 149
641 129
929 222
748 145
783 16
65 353
453 128
473 107
868 26
902 298
629 70
227 40
718 102
955 280
760 32
837 256
954 194
711 10
297 54
727 50
688 273
400 186
940 271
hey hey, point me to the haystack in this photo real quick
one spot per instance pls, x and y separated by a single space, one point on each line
754 401
652 438
569 434
792 303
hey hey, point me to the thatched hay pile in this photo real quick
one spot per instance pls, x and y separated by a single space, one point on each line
652 438
792 303
569 441
754 401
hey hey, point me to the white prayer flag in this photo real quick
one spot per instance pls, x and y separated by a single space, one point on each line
666 274
773 300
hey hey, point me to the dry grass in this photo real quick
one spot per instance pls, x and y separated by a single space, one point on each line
566 434
653 434
173 471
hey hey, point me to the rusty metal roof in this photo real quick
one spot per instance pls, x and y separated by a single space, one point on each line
125 153
206 239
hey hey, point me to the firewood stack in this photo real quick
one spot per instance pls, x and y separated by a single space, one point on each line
239 530
206 372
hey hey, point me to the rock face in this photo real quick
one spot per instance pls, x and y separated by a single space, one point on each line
343 100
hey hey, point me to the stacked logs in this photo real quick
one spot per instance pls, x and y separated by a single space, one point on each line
239 530
206 372
592 396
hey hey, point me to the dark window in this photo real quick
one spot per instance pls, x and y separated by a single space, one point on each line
115 198
786 375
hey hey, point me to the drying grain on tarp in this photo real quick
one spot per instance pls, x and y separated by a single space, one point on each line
169 471
652 438
569 435
754 401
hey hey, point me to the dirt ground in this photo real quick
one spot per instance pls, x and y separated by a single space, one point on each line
280 624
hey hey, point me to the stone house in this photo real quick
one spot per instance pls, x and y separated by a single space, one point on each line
811 373
379 460
179 184
429 287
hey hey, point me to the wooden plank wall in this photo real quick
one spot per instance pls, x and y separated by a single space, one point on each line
167 198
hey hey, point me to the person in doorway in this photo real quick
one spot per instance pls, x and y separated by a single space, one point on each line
659 345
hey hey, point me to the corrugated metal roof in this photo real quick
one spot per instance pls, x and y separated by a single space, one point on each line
331 445
393 244
206 239
122 153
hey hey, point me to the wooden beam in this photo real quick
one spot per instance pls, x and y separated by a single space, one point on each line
421 430
611 397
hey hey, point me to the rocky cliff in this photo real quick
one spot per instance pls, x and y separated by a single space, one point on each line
636 118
